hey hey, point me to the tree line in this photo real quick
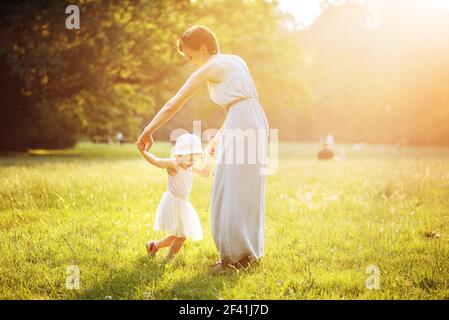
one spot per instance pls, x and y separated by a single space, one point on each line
340 76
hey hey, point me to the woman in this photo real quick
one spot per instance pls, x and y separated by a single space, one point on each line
238 194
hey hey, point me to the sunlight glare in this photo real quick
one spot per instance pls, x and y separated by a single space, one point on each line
443 4
305 11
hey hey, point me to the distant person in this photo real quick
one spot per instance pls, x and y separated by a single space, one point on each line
326 153
119 137
330 141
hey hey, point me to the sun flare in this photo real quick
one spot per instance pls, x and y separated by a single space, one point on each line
306 12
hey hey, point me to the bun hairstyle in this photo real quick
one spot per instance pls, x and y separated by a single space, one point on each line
196 36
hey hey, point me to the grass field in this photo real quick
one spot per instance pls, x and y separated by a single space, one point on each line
326 223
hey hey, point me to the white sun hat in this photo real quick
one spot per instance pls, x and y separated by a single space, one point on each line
188 144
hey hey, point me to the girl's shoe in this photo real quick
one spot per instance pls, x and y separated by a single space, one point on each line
151 248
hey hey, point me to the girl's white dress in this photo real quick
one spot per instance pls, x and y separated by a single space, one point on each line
175 214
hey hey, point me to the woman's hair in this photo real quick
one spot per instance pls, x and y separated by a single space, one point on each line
196 36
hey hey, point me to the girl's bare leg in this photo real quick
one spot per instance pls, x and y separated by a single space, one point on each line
175 247
165 242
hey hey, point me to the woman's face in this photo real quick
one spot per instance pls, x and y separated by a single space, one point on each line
196 57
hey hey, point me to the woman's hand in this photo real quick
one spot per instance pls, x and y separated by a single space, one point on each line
212 147
146 139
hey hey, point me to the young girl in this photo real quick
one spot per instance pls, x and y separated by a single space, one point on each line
175 214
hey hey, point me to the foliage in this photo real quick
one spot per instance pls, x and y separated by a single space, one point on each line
121 66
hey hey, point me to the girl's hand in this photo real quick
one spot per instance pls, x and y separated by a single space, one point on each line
140 146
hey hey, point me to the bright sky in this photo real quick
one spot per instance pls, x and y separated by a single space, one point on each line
306 11
442 4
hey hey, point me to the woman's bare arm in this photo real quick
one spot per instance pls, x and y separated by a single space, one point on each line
190 87
212 146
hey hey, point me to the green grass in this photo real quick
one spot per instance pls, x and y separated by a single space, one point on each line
326 222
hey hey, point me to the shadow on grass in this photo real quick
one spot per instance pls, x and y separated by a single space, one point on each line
125 283
202 286
140 281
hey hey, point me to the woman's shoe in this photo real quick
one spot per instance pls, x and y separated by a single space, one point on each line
221 267
245 262
151 248
218 267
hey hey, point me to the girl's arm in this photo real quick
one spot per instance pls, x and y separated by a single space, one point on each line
206 72
155 161
203 170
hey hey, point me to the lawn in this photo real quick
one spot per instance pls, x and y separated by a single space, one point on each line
332 228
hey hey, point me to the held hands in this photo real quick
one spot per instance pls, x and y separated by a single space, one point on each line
146 140
140 146
212 147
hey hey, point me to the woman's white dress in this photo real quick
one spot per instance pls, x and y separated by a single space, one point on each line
175 214
238 194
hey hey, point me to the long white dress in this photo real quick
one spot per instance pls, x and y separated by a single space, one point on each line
238 194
